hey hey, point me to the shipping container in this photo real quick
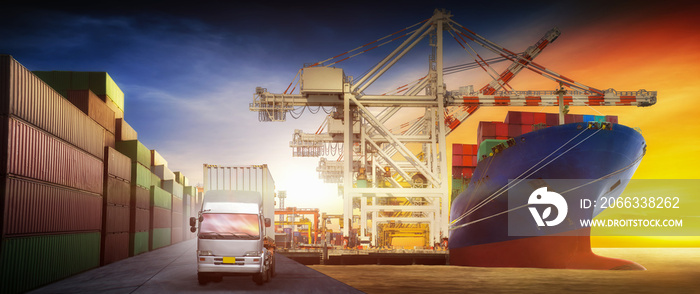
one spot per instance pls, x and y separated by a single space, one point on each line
181 179
30 262
457 149
160 198
117 191
110 140
98 82
513 118
189 190
26 96
163 172
33 207
539 118
160 238
611 118
176 235
527 118
115 247
155 180
118 113
140 175
124 132
135 150
117 164
140 220
456 160
38 155
501 129
161 218
514 130
157 159
140 197
177 204
94 107
552 119
116 219
172 187
138 242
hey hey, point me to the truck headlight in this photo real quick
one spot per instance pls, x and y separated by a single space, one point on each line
253 253
205 252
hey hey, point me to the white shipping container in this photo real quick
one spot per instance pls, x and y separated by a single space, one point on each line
163 172
173 187
255 178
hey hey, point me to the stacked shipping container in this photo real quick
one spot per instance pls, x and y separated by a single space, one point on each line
117 203
463 160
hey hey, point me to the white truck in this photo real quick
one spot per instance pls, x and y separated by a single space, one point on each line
235 224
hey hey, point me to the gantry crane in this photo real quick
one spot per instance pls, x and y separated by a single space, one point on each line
372 153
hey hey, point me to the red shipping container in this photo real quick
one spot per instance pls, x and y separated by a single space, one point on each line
552 119
94 107
540 118
475 160
514 130
457 172
177 220
26 96
501 129
467 160
514 118
457 149
124 132
578 118
527 118
116 219
115 247
468 149
140 197
140 220
456 160
475 149
117 192
467 172
501 138
488 128
33 207
35 154
526 129
177 205
160 218
110 140
117 164
611 118
176 235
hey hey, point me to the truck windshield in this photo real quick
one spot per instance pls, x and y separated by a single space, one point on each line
229 226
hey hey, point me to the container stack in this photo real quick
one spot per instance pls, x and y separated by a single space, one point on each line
52 178
139 211
189 210
463 160
161 218
177 215
117 207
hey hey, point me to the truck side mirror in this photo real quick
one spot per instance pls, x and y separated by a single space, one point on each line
193 221
268 222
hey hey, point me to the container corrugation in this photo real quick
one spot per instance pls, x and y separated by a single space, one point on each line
157 159
140 220
140 197
117 191
135 150
155 180
29 98
138 242
176 235
457 149
35 154
94 107
163 172
117 164
29 262
160 198
110 140
161 218
118 113
177 205
140 175
115 247
160 238
173 187
116 219
98 82
124 132
32 207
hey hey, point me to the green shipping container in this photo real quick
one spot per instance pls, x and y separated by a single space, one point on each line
155 180
160 238
190 190
486 145
99 83
138 243
140 175
161 198
30 262
135 150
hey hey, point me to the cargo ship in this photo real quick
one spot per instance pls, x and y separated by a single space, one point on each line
587 157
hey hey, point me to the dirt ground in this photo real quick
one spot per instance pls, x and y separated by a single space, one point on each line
669 270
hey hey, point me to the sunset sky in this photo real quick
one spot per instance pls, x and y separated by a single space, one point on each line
188 72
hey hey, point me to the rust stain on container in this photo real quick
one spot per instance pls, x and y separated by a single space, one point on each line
29 98
117 164
116 219
124 132
140 197
35 154
94 107
140 220
32 207
160 218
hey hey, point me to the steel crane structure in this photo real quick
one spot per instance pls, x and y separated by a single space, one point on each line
413 158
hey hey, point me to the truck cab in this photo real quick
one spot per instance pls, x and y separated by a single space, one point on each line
231 238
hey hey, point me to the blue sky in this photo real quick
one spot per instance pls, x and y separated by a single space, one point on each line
188 73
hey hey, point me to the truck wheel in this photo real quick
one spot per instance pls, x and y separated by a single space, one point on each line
202 279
